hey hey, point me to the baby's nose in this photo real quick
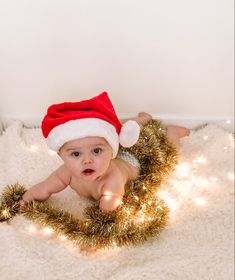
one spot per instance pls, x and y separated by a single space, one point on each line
87 160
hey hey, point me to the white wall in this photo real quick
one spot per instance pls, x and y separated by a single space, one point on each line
171 58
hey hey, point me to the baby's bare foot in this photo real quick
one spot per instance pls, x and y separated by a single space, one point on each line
174 133
145 118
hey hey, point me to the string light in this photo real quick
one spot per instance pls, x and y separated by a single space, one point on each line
231 138
140 219
33 148
213 179
200 159
48 231
62 237
32 229
200 201
231 176
5 213
182 170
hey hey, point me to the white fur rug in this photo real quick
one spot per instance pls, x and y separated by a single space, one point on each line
198 242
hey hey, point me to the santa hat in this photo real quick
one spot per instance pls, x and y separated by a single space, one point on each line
93 117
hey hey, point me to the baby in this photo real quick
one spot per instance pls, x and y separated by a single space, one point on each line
86 135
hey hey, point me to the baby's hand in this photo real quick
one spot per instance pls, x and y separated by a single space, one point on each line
23 203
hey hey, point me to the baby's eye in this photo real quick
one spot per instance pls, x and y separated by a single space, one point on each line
75 154
97 150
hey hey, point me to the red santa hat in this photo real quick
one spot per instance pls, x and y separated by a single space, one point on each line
93 117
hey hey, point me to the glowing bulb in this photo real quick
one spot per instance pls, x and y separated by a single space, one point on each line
231 138
159 207
231 176
200 159
200 201
225 147
172 203
33 148
62 237
205 137
5 213
140 219
32 229
182 169
228 121
214 179
107 197
48 231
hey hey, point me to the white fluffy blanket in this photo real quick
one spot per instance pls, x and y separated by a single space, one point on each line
197 243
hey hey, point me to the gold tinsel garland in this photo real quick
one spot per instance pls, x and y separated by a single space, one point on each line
141 215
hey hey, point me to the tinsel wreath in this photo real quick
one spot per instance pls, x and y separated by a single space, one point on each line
141 215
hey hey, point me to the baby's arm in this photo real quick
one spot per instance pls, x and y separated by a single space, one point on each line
114 187
56 182
112 194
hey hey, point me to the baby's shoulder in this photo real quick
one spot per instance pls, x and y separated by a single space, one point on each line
64 174
113 181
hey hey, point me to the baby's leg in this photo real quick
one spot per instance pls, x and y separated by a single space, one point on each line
174 133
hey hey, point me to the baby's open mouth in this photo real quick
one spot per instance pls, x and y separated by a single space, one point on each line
88 171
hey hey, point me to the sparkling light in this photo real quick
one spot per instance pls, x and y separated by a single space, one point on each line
200 201
231 176
32 229
140 219
200 181
172 203
182 170
33 148
213 179
200 159
107 197
5 213
62 237
231 138
48 231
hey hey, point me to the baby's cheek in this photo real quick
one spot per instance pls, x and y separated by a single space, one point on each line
74 168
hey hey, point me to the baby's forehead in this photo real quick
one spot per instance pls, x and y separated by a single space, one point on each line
86 142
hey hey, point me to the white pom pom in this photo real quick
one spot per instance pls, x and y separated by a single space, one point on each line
129 134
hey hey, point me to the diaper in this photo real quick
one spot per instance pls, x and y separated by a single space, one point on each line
129 158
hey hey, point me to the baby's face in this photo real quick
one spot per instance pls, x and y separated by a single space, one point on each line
87 158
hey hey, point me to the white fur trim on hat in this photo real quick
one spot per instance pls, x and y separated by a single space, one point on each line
129 134
76 129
